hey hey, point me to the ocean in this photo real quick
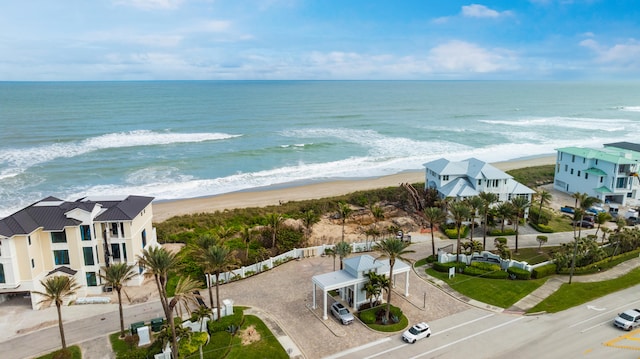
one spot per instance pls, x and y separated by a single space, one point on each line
183 139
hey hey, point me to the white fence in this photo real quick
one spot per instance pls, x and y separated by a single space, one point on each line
296 253
484 256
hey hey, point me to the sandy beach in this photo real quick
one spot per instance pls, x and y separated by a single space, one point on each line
273 196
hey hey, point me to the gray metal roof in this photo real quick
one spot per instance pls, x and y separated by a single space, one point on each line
50 214
625 146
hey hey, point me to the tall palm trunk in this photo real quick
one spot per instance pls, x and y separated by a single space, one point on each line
210 292
174 339
218 295
391 263
60 327
118 289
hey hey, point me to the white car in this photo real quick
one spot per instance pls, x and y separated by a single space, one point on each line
341 313
418 331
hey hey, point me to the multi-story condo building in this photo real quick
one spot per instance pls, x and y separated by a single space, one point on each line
609 173
56 237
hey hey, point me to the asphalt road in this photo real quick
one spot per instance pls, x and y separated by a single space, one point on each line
584 331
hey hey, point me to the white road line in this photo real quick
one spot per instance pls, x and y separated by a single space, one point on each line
353 350
468 337
605 313
595 326
441 332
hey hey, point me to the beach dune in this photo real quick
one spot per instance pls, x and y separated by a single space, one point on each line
262 197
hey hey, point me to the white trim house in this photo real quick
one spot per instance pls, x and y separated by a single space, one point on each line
53 237
609 174
467 178
350 281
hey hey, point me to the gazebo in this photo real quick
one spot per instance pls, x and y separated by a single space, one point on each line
351 280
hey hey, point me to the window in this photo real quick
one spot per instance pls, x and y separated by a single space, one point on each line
114 228
445 177
573 158
578 173
88 256
124 252
571 171
586 175
33 263
144 237
115 251
621 182
91 279
2 279
479 182
85 233
584 160
61 257
58 237
29 239
601 179
596 161
566 168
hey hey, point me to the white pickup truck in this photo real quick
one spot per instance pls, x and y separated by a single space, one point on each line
627 320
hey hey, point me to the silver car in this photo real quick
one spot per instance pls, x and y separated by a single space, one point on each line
341 313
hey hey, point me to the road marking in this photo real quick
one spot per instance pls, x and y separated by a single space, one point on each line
595 326
353 350
631 336
433 335
604 313
593 307
468 337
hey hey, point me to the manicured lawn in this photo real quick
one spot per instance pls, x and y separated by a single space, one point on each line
531 255
74 349
225 345
570 295
501 293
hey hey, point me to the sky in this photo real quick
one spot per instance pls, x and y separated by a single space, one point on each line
80 40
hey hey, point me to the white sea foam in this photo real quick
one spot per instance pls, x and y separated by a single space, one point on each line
630 108
599 124
18 160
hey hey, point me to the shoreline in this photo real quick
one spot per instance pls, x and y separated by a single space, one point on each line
274 195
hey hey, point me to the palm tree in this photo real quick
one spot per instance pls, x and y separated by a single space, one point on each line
309 218
246 233
520 205
273 222
505 211
475 203
373 288
602 218
343 249
116 275
459 212
488 199
186 293
391 248
344 210
378 214
545 198
224 233
159 263
201 313
332 252
215 260
56 289
435 216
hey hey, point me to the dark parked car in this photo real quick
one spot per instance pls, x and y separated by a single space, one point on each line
584 224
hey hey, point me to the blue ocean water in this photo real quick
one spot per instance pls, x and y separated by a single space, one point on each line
181 139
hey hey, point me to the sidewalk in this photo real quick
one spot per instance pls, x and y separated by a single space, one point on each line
538 295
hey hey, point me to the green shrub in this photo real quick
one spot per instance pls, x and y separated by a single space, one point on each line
501 240
488 267
543 271
444 267
368 316
452 233
542 228
477 272
519 273
225 322
137 353
506 232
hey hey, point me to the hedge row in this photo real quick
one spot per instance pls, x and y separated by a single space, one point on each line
444 267
475 271
452 233
544 271
506 232
542 228
603 264
519 273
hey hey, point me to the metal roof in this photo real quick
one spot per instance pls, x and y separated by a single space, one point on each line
625 145
607 154
50 214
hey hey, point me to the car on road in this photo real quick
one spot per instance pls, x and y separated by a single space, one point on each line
341 313
416 332
628 319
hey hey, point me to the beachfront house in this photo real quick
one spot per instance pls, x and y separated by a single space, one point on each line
350 281
609 173
56 237
467 178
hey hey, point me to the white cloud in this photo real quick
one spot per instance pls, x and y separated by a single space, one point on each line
481 11
463 57
626 54
151 4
